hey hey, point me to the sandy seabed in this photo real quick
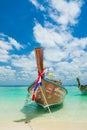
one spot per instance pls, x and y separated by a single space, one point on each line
51 124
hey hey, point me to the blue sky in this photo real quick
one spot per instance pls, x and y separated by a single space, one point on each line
59 26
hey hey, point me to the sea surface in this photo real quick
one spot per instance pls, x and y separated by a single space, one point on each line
13 106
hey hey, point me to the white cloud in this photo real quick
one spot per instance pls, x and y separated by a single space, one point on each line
54 54
5 72
3 51
26 66
21 68
49 37
4 57
27 76
37 5
24 62
7 44
14 43
63 52
43 36
65 12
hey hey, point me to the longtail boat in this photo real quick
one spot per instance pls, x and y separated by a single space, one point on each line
50 92
82 88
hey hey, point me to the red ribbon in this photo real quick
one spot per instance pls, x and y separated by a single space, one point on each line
40 75
33 96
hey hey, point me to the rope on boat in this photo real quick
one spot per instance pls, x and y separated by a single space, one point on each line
28 99
46 104
45 100
30 126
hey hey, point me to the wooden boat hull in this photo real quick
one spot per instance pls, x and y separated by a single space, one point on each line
54 93
83 90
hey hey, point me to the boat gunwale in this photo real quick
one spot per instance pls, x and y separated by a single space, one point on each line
46 79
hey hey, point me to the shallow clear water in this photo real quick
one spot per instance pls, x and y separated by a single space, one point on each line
12 100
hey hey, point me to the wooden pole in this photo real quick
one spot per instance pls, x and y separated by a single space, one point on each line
39 60
78 80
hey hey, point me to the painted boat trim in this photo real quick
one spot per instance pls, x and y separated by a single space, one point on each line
50 82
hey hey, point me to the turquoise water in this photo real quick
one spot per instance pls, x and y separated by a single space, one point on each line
12 108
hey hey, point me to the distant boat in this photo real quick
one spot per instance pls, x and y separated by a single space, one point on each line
82 88
51 92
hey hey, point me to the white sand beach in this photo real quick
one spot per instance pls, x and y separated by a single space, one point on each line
51 124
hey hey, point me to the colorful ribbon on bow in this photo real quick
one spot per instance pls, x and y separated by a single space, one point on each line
38 83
